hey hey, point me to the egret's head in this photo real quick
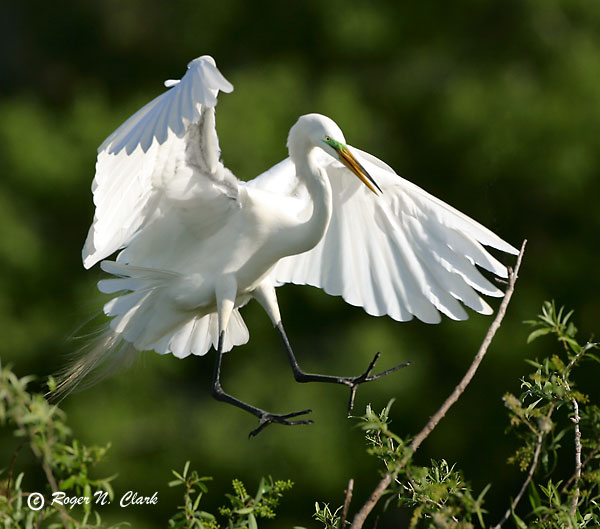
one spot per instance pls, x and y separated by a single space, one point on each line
316 130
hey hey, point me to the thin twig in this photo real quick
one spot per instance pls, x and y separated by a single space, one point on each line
576 476
11 468
576 419
347 501
45 457
532 469
365 510
361 515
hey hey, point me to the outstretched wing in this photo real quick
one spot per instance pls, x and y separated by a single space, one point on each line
403 253
164 157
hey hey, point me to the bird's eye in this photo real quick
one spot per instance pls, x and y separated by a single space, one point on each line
327 138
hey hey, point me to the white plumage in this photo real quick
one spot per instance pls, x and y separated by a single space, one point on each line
401 254
196 244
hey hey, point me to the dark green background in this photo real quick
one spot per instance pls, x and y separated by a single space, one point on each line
492 106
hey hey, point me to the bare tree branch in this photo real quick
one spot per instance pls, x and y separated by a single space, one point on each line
589 457
361 515
534 462
576 419
460 388
347 501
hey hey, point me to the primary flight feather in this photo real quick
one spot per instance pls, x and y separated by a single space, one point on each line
196 244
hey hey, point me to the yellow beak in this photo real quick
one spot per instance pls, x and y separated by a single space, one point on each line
348 159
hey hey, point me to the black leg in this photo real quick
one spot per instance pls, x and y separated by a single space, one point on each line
351 382
265 418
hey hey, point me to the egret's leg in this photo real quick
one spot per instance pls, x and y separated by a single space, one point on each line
351 382
265 418
265 295
226 293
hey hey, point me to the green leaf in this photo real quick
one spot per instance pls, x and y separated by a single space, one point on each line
518 522
252 522
87 492
197 502
593 357
478 510
202 487
534 496
573 343
261 490
68 483
386 411
537 333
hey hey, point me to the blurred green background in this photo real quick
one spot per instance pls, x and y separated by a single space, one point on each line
492 106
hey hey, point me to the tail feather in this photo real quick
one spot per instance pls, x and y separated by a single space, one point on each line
140 321
200 333
236 334
180 342
99 359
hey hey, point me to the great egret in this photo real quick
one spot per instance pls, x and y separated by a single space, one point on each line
196 244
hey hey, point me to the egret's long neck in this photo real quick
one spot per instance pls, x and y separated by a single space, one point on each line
310 232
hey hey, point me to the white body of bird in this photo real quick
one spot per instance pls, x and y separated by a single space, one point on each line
237 241
196 244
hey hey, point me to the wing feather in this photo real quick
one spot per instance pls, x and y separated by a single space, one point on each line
169 146
404 254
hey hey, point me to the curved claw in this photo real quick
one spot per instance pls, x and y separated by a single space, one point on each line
387 371
270 418
367 377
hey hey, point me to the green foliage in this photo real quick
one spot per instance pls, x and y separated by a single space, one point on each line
324 515
189 515
382 442
244 510
558 501
552 418
67 465
437 496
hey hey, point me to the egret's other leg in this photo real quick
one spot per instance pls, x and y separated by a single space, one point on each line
265 418
351 382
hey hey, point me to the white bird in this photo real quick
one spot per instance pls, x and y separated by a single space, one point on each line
196 243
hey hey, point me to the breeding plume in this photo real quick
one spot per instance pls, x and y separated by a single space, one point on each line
195 244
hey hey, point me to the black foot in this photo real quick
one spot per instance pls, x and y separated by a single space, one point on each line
354 382
351 382
269 418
